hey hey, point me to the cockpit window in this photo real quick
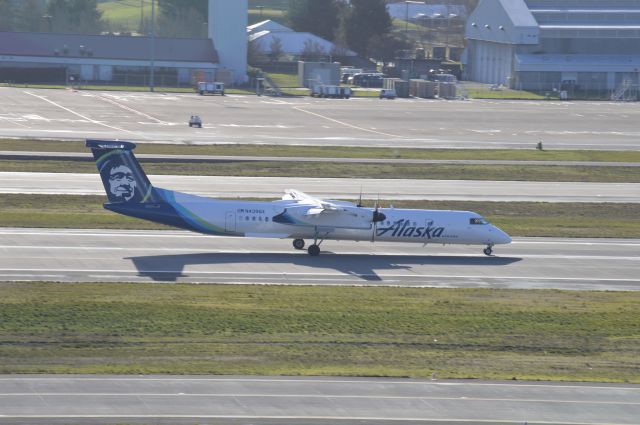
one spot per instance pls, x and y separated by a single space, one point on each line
479 220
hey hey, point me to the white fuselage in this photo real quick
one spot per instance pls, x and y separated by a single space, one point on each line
287 219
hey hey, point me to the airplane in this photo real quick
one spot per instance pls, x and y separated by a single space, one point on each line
296 216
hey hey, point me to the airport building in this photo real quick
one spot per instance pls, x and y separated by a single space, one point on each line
554 44
127 60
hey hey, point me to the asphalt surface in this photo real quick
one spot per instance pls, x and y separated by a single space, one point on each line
174 256
77 156
332 188
157 117
76 399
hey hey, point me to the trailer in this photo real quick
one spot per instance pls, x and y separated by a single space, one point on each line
205 87
329 91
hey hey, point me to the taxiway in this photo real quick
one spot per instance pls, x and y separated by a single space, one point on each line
418 123
334 188
76 399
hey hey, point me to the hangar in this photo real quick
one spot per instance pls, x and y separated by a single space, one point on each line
51 57
554 44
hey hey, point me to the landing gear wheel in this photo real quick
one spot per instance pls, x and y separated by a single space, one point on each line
313 250
488 251
298 243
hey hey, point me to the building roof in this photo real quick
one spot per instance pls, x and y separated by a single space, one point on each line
106 47
519 13
267 25
294 42
503 21
416 10
586 18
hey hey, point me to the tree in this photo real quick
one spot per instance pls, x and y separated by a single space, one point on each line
174 8
7 15
182 18
364 20
29 16
275 49
319 17
312 51
75 16
385 47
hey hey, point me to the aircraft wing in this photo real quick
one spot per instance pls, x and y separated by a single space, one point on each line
318 206
311 211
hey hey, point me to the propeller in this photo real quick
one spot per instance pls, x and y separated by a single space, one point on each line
376 218
360 199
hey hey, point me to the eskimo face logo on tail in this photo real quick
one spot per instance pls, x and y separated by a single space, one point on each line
122 183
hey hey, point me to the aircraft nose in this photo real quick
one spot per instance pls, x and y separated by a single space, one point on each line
501 237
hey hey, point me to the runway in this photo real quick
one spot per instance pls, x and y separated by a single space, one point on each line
332 188
76 399
176 256
417 123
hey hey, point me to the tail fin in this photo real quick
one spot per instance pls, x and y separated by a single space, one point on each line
123 178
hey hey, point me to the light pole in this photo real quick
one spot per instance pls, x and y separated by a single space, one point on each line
406 20
153 43
260 9
48 18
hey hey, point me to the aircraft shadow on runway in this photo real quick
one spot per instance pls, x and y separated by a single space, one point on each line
169 268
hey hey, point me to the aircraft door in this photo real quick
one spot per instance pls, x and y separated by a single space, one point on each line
230 222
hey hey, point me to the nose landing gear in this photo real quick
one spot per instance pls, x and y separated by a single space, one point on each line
488 250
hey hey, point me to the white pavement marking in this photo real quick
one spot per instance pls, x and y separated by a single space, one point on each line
322 396
127 108
285 417
294 274
80 115
297 108
377 253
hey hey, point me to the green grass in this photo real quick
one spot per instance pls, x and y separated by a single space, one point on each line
516 218
337 151
474 93
543 173
285 80
228 329
125 15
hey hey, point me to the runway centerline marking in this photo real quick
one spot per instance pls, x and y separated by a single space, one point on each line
296 274
91 120
297 108
284 417
423 255
319 396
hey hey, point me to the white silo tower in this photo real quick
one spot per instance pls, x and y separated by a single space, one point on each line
228 30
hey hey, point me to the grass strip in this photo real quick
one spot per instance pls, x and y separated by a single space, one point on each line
336 151
541 173
516 218
352 331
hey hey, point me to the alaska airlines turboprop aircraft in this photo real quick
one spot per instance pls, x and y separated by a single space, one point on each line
297 215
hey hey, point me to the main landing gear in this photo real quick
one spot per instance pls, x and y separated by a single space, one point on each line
488 250
314 249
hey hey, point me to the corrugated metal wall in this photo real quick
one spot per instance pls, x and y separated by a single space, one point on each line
490 63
